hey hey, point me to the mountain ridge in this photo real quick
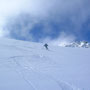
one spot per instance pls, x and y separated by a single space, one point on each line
76 44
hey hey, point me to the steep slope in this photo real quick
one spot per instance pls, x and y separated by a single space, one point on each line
28 66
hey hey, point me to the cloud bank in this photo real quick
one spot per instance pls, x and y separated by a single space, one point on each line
36 20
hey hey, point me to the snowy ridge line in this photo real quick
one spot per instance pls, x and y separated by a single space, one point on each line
82 44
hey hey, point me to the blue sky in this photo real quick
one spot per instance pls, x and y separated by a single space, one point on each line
38 20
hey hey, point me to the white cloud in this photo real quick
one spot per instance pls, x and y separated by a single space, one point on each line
77 11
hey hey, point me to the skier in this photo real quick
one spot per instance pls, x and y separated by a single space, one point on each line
46 46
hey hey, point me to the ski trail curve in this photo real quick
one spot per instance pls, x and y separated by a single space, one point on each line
38 80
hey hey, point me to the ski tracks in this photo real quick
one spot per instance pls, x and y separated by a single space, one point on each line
38 80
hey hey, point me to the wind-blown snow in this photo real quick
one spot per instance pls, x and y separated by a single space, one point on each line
28 66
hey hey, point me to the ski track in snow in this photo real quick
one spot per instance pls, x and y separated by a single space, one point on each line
22 69
21 72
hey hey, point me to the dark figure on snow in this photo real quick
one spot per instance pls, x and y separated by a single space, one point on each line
46 46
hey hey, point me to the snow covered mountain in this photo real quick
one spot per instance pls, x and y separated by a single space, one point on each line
75 44
29 66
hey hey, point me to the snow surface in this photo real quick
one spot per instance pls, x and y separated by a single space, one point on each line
29 66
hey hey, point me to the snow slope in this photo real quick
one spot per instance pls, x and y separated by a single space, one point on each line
28 66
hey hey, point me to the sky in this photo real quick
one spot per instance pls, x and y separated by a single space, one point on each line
45 20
